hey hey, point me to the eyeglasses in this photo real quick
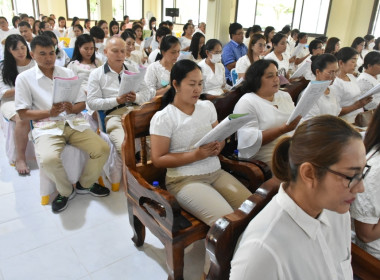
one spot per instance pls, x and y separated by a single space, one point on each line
260 45
212 52
352 181
332 73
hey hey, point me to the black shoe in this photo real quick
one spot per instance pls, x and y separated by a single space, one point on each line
95 190
60 202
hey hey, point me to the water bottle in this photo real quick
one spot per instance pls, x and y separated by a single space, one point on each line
236 154
155 184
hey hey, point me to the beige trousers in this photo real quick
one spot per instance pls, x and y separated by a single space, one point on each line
210 196
49 148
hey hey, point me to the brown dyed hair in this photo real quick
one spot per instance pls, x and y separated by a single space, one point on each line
318 141
252 41
372 137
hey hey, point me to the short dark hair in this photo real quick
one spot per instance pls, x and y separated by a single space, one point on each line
162 32
1 17
254 73
80 27
125 17
357 41
256 28
97 32
314 45
321 61
24 23
371 58
41 40
234 27
345 54
128 33
294 31
286 29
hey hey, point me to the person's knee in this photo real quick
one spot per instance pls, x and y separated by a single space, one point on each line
101 149
48 160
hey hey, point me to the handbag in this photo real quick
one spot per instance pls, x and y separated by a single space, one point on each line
364 118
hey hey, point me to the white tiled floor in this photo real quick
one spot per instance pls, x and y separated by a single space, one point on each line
90 240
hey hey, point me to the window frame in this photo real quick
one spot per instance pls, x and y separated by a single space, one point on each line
125 12
88 11
36 5
175 6
294 7
374 16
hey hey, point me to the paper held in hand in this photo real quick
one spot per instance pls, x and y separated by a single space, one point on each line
309 97
224 129
131 81
66 89
301 70
372 91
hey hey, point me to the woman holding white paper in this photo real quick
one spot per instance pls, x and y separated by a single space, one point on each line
194 175
369 77
270 109
346 86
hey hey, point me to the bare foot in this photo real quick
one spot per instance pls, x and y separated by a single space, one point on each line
22 168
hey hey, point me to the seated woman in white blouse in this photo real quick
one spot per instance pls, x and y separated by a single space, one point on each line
358 45
132 60
196 45
366 208
214 78
315 48
256 48
304 53
83 60
269 107
346 87
62 58
369 77
157 75
368 45
305 230
279 55
185 40
324 67
194 175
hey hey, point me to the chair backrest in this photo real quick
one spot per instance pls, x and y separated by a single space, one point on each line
295 88
69 52
364 265
234 76
223 236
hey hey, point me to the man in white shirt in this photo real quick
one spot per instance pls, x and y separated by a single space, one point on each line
103 88
26 32
58 124
201 28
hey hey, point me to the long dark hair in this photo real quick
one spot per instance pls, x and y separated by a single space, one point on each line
254 74
9 70
179 72
268 30
330 45
194 45
81 40
73 22
166 43
300 36
112 23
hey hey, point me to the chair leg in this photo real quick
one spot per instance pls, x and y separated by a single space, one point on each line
45 200
175 260
115 187
137 227
100 181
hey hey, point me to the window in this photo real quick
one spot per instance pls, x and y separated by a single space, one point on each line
94 10
134 9
117 9
77 8
195 10
26 7
309 16
375 21
6 10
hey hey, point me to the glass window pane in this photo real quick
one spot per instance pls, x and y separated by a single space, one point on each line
133 8
297 14
77 8
314 16
276 13
24 6
117 9
187 10
6 10
203 11
167 4
94 10
246 13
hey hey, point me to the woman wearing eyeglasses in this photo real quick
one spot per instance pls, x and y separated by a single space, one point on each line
305 230
366 209
256 48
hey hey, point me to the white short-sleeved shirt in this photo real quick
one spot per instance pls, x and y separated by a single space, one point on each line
284 242
347 93
366 207
34 91
242 64
327 104
264 116
367 82
184 131
213 82
283 65
157 76
308 75
185 42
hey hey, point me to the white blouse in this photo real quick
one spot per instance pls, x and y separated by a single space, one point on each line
347 93
366 207
184 131
308 75
185 42
83 71
327 104
213 82
265 115
283 65
242 64
284 242
157 76
367 82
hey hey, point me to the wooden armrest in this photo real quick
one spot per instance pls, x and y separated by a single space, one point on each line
159 203
364 265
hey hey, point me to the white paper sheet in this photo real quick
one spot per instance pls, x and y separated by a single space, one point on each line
224 129
312 93
301 70
238 83
372 91
131 81
66 89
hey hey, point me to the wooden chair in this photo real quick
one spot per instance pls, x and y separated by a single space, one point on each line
364 265
295 88
154 207
222 237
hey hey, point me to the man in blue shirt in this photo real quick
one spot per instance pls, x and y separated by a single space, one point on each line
234 49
